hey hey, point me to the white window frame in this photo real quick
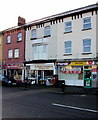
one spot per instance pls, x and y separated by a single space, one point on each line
87 23
66 48
16 53
40 51
86 46
10 53
19 37
47 31
8 39
33 34
68 28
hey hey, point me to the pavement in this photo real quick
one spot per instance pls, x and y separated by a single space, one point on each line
65 90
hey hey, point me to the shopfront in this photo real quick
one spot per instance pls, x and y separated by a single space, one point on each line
40 72
14 70
78 73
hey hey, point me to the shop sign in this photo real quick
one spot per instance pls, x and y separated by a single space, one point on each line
13 66
63 64
90 63
78 63
42 67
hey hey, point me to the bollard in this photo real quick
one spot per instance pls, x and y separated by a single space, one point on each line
63 86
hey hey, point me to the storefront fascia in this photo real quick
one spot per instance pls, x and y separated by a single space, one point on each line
39 71
74 73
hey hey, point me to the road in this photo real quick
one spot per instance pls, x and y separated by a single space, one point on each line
41 103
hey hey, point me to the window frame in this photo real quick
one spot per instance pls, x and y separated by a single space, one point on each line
47 31
16 53
19 35
86 46
8 39
10 53
68 27
87 23
67 53
33 35
40 51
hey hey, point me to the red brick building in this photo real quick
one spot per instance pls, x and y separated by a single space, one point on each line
14 50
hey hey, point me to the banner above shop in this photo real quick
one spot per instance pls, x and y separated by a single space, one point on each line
48 66
12 66
76 63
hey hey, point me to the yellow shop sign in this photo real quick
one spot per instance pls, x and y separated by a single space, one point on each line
78 63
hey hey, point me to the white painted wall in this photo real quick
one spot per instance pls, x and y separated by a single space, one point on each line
57 39
76 37
50 41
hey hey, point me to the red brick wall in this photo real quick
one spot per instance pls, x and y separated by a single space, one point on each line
13 45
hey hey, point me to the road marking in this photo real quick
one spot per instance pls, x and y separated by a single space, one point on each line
66 106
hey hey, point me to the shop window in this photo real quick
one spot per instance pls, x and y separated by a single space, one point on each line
10 53
80 75
19 37
18 74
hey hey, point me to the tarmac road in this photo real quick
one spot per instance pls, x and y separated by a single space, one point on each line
41 103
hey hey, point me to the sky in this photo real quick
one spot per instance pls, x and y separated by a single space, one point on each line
35 9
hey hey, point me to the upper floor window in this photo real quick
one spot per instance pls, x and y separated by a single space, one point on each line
10 53
86 45
68 47
47 31
33 34
87 23
19 37
8 39
16 53
68 26
40 51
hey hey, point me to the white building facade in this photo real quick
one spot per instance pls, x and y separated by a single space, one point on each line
66 45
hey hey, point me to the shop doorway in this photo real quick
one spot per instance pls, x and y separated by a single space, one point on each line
43 75
87 78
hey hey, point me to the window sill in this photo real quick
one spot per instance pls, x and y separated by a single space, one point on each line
86 53
16 58
10 58
67 32
86 29
33 38
47 36
67 54
19 41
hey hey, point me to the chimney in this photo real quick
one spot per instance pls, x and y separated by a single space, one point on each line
21 21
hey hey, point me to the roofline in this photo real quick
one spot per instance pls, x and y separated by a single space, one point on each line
11 29
64 14
53 17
